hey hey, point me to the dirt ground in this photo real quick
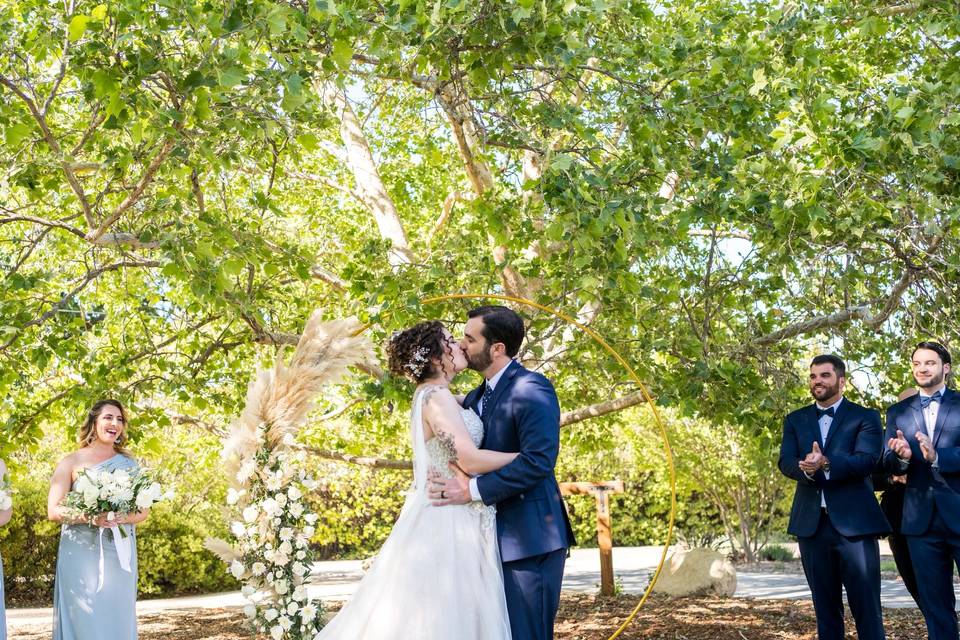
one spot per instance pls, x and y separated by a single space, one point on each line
582 617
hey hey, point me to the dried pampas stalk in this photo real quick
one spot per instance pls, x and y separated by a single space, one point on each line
278 399
221 548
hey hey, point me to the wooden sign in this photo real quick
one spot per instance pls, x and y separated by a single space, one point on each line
601 491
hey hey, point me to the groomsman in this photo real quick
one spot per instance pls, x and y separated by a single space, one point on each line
831 448
891 503
923 441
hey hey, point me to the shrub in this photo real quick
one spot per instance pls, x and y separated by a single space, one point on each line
776 553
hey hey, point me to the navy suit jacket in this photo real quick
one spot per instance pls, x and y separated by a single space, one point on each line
927 485
854 444
523 416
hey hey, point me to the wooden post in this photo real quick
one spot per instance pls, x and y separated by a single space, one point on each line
601 491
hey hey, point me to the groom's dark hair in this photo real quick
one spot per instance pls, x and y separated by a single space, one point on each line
501 324
936 347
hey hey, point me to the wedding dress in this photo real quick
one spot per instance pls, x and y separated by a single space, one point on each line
438 575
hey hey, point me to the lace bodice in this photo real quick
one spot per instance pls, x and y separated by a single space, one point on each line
439 451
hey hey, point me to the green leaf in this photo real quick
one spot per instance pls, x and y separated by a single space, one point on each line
99 13
308 141
233 267
342 54
78 24
16 134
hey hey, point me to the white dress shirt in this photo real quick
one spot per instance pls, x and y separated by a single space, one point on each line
825 421
492 384
930 417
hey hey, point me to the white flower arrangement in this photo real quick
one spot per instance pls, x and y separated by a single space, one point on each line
270 521
113 492
6 494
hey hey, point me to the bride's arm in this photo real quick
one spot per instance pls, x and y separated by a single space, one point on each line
442 417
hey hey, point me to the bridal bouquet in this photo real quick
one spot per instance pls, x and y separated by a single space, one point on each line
112 492
6 500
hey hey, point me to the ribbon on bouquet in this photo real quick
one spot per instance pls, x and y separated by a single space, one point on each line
124 545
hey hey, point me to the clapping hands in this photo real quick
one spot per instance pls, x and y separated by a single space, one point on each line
901 447
814 461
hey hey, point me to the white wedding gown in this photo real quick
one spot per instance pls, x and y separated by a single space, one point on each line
438 575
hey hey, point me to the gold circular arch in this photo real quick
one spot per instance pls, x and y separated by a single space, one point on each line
643 389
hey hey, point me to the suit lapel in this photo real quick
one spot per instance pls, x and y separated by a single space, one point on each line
949 402
505 381
813 424
917 413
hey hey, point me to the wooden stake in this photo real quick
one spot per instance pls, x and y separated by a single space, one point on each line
601 491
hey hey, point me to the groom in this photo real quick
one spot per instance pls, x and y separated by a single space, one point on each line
520 413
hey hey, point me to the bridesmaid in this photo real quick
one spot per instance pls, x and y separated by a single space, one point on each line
4 519
80 612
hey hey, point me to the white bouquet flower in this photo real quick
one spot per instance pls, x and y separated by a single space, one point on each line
115 493
6 497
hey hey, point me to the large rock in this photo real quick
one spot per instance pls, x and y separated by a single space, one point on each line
696 572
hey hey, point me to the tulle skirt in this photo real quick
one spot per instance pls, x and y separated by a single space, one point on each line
437 577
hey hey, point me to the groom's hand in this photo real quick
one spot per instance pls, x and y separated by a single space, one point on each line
455 490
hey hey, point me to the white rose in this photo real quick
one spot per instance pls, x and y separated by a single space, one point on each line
300 593
292 608
299 569
274 482
276 522
269 506
281 587
301 555
233 496
276 632
258 568
309 531
294 493
281 499
296 509
237 569
285 622
250 611
286 548
280 559
271 615
250 513
237 529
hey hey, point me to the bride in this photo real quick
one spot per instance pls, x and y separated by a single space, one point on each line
438 575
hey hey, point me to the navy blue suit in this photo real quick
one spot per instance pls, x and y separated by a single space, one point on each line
931 506
523 415
838 545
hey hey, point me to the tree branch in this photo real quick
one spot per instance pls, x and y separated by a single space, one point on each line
134 195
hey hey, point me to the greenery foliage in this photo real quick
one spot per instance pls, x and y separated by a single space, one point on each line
719 188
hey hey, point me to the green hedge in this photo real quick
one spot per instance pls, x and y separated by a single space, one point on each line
170 550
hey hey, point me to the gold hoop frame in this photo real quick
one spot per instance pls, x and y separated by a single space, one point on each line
643 389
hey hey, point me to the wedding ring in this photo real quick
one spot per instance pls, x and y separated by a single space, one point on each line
443 494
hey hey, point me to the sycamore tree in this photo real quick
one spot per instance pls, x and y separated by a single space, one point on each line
716 187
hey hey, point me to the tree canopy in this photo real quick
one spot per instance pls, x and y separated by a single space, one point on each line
716 187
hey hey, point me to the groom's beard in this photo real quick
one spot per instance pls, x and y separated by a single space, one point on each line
480 361
934 381
825 391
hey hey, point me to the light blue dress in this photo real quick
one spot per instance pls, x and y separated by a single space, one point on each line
79 612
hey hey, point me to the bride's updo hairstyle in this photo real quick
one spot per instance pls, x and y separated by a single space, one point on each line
411 350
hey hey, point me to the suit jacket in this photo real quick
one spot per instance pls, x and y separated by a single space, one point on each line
524 416
927 485
854 444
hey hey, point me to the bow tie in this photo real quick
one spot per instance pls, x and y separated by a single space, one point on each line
825 412
926 400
